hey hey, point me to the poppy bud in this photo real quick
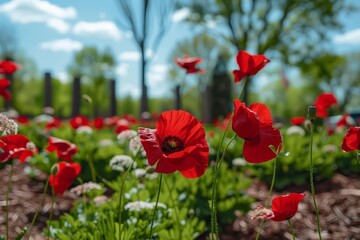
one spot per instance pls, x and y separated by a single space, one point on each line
54 169
312 112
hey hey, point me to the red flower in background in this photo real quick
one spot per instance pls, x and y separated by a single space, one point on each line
177 144
254 125
64 149
99 123
345 121
323 102
23 120
122 125
285 207
55 123
8 67
351 141
297 120
4 92
79 121
66 173
16 146
249 64
189 64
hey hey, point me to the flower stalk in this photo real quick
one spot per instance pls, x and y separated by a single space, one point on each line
155 208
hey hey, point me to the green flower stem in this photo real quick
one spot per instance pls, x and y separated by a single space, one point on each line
292 229
157 201
92 169
121 193
51 210
38 209
312 178
176 210
214 225
7 199
268 199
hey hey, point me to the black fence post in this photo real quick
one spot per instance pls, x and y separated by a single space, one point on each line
177 97
113 97
207 105
76 97
9 103
48 89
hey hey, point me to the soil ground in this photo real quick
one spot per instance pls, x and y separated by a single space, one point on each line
338 200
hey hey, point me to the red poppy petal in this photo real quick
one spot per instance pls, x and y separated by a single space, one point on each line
264 114
151 146
238 75
245 122
201 164
351 141
297 120
164 166
259 151
285 207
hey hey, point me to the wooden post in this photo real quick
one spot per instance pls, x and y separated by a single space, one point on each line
177 97
48 90
112 97
76 97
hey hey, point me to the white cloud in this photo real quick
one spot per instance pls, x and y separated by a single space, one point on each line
180 14
104 29
62 76
26 11
157 74
59 25
62 45
351 37
129 56
122 69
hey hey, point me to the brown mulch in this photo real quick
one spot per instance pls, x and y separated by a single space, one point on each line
338 200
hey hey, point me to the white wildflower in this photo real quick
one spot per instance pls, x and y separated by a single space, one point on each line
100 199
84 130
7 125
295 130
238 162
106 142
140 205
44 118
135 146
84 188
126 135
121 162
139 173
330 148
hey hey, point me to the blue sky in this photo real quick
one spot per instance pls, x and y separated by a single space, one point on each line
50 32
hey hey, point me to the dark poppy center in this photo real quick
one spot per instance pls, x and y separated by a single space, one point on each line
172 144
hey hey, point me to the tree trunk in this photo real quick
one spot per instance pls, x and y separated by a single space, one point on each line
76 97
177 97
47 90
112 97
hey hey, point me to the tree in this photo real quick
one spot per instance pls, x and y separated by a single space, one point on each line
95 67
335 73
210 50
148 26
290 30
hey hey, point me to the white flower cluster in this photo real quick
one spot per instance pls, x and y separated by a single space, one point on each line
84 188
135 146
295 130
7 125
84 130
140 205
121 162
126 135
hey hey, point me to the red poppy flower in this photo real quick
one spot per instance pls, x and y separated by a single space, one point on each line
23 120
351 141
8 67
249 65
55 123
4 92
254 125
122 125
64 149
285 207
189 64
177 144
323 102
297 120
66 173
16 146
79 121
98 122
